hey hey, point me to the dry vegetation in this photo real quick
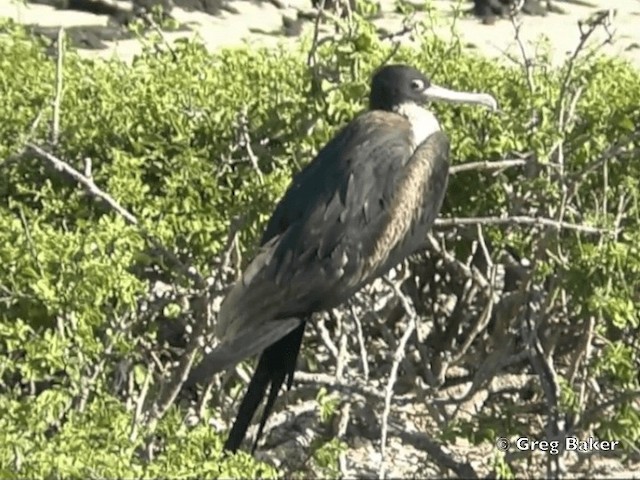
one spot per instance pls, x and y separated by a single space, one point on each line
132 196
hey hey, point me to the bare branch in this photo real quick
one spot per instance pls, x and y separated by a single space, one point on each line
160 32
343 353
172 386
527 63
361 345
245 140
393 374
592 413
603 19
140 402
484 166
542 364
459 267
325 336
55 131
32 246
87 183
349 386
517 220
312 61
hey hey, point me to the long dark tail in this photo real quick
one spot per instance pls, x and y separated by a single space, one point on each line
277 363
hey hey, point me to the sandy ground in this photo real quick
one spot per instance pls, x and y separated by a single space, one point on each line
253 19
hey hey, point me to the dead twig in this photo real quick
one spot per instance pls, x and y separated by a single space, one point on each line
325 336
542 363
148 18
517 220
435 451
312 60
361 345
348 386
393 374
484 166
171 387
603 19
30 243
458 267
140 402
527 63
245 141
55 130
88 183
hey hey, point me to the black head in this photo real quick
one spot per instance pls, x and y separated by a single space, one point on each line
393 85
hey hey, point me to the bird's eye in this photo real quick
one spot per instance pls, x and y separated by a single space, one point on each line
417 84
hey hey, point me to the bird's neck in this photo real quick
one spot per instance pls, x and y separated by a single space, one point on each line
423 122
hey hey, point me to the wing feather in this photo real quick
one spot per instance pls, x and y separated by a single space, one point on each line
317 246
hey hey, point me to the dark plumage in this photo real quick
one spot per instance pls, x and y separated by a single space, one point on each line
365 203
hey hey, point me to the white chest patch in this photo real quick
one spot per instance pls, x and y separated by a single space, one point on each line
423 122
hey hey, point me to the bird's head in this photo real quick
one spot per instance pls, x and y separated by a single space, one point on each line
395 85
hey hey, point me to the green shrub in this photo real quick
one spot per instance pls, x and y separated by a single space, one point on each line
162 136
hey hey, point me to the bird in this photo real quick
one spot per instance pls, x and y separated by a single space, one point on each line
359 208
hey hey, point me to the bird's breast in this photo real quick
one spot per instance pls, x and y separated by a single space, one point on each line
404 209
423 122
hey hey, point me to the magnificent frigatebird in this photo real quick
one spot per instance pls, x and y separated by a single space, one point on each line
364 204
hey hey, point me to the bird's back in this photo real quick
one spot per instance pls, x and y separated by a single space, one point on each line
353 213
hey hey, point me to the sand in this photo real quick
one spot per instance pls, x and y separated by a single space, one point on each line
254 22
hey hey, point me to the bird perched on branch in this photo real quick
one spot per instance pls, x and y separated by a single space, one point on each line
365 203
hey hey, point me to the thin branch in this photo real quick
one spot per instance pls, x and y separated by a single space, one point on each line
591 415
484 166
582 359
160 32
460 268
343 352
24 140
245 138
32 246
89 184
88 168
140 402
393 374
171 387
345 415
347 386
479 325
408 27
55 131
361 345
527 62
311 57
516 220
600 19
542 364
325 336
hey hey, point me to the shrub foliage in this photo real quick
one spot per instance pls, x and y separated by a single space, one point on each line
97 313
